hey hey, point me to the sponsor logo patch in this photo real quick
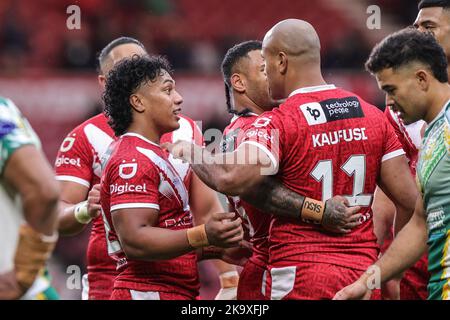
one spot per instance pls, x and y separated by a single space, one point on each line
332 110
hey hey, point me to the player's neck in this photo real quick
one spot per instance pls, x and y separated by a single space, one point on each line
440 97
244 102
147 132
304 80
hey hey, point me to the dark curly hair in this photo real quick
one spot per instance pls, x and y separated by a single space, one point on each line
122 81
229 63
406 46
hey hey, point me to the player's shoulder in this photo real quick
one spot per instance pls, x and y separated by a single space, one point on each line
239 122
188 130
8 110
128 149
93 125
447 112
137 147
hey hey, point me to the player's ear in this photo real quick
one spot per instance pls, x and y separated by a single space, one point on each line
136 102
102 80
282 62
238 83
423 79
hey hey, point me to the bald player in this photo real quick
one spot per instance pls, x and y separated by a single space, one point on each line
320 142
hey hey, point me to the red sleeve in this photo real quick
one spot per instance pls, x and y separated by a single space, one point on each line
134 185
265 133
392 147
75 159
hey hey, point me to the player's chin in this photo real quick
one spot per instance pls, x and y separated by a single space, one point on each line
174 124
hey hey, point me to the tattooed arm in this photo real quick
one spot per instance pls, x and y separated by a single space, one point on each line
274 197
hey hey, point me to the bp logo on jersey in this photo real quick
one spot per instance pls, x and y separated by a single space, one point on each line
127 170
313 113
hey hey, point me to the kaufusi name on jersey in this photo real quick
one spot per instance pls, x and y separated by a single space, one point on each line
335 137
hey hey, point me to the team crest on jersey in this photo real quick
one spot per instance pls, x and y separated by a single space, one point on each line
128 170
262 122
67 144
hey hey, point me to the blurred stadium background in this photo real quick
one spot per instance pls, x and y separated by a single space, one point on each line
50 71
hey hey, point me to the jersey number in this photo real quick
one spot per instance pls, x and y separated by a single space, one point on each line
356 167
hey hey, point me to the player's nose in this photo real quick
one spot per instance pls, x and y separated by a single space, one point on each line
177 98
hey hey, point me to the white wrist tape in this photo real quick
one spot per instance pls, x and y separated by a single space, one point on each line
81 213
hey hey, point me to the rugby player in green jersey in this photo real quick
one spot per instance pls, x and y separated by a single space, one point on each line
28 192
411 67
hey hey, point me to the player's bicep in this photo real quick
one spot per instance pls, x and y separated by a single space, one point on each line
28 171
129 222
397 182
72 192
257 158
74 161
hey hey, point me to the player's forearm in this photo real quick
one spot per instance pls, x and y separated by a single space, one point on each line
276 199
68 225
405 250
151 244
41 209
402 217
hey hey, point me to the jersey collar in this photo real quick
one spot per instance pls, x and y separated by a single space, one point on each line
313 89
439 114
137 135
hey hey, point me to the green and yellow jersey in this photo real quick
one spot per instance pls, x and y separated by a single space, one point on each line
15 132
433 174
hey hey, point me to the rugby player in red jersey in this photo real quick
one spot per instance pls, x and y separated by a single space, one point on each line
145 204
247 96
321 141
78 170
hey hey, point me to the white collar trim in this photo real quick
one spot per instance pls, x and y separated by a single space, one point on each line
313 89
235 117
440 112
137 135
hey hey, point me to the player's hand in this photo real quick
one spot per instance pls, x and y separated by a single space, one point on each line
358 290
238 255
93 202
339 217
9 287
390 290
223 230
180 149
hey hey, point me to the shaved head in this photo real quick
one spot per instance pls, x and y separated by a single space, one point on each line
294 37
291 50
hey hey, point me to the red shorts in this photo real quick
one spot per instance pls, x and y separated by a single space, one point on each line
309 281
98 285
252 282
127 294
414 283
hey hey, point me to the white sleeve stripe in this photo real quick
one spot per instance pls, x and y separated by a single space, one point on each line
271 156
392 154
135 205
74 179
